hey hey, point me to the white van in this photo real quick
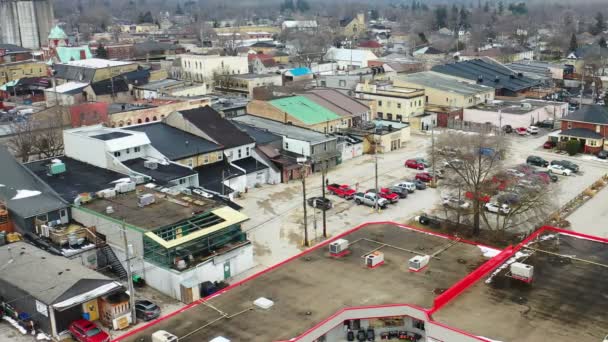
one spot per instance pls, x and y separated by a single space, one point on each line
409 186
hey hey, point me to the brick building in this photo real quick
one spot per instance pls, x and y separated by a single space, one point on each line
589 125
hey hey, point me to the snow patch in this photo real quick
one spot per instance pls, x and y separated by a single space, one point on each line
591 157
1 185
15 324
42 337
580 237
488 339
122 180
71 251
150 185
25 194
489 252
85 297
519 255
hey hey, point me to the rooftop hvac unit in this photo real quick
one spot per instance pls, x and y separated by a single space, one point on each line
56 167
152 165
338 247
263 303
138 179
418 262
145 199
163 336
107 193
124 187
521 271
109 210
374 259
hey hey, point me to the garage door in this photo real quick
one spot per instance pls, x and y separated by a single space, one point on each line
65 317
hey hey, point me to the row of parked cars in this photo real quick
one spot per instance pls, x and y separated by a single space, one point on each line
560 167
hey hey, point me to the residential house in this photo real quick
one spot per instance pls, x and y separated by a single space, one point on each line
443 90
504 81
501 54
245 83
54 291
320 149
299 111
586 52
127 152
309 26
353 26
381 136
347 59
515 113
430 55
14 53
203 68
263 47
29 200
589 125
371 45
297 75
241 167
262 63
392 102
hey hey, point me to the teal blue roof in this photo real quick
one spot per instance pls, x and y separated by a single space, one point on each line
57 33
69 53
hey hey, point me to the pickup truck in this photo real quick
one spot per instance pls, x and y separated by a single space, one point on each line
343 190
386 194
370 199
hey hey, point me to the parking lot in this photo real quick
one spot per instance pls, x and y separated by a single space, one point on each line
276 214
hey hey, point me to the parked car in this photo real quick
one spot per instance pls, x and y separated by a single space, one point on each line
420 185
549 144
402 192
528 184
537 161
525 168
424 176
546 124
515 173
507 129
455 203
409 186
320 203
497 208
437 173
422 161
567 164
532 130
414 164
370 199
343 190
603 154
391 197
521 131
560 170
551 176
454 164
146 310
85 331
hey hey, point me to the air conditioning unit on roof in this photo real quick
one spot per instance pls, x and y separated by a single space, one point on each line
418 262
338 247
149 164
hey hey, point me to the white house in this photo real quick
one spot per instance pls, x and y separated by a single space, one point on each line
202 68
350 58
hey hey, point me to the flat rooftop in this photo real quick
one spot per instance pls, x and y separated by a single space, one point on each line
515 107
252 76
114 108
313 286
566 301
96 63
165 211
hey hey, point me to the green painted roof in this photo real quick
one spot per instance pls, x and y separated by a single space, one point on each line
68 53
304 110
57 33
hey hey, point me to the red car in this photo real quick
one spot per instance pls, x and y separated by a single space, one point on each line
389 195
424 176
85 331
549 145
521 130
414 164
343 190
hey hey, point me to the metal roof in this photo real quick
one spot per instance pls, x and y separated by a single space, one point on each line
429 79
45 276
596 114
279 128
489 73
305 110
581 133
24 193
220 130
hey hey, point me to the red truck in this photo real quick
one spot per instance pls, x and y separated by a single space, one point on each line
389 195
343 190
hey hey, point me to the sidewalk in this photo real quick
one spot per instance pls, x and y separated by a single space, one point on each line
591 218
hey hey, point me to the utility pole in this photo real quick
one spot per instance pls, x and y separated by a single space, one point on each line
376 147
302 162
434 179
323 173
129 275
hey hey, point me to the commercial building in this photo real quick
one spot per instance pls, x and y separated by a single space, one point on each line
203 68
26 23
13 71
427 286
170 87
390 101
245 83
515 113
347 59
14 53
54 291
505 81
441 90
92 70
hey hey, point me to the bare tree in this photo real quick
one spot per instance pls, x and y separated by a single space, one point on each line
49 135
23 139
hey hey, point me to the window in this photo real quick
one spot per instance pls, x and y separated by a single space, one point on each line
182 181
447 100
569 125
399 117
331 129
388 103
128 150
419 103
379 115
116 154
220 156
399 105
379 103
324 84
137 149
597 128
592 143
247 151
389 116
341 83
325 130
190 162
206 159
286 145
427 98
239 153
324 146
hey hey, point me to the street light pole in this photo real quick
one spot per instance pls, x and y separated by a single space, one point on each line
302 162
323 171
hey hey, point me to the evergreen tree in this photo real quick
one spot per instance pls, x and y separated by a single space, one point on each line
602 43
464 17
422 37
501 7
179 10
374 15
600 24
101 52
441 16
573 42
486 7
